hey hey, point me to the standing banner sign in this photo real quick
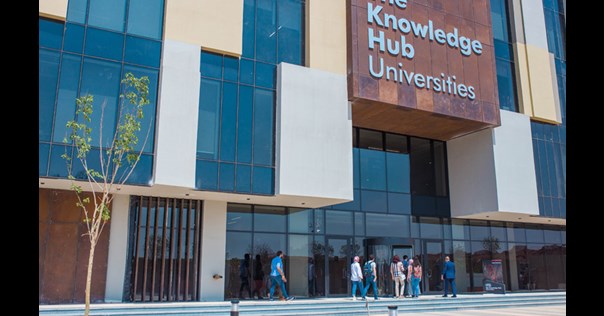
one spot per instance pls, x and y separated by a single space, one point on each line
492 281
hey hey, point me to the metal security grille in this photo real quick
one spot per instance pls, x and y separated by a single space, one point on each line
165 247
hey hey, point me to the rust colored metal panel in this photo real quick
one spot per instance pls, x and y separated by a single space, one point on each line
60 264
450 109
99 269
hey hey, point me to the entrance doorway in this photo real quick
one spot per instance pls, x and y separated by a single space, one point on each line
339 258
384 249
432 264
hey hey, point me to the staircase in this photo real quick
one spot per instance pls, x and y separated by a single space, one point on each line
317 306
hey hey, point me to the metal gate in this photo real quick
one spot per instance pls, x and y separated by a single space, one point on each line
165 249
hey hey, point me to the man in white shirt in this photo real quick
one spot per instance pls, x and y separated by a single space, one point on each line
356 276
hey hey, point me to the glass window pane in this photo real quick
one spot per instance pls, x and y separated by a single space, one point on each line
267 245
299 264
244 179
385 225
48 73
58 165
146 136
263 180
461 257
440 168
76 11
300 220
422 167
479 230
263 127
104 44
356 177
447 228
370 139
206 175
354 205
93 162
460 229
506 85
145 18
373 201
414 227
43 151
231 68
68 91
338 222
246 71
244 125
265 75
534 233
211 65
142 51
249 19
553 236
237 245
430 227
101 79
516 232
290 32
359 224
373 169
239 217
51 34
424 205
74 38
266 30
109 14
537 276
209 111
227 177
397 143
498 230
319 221
228 122
399 203
398 172
269 218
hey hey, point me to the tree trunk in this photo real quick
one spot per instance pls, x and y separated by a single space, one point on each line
89 278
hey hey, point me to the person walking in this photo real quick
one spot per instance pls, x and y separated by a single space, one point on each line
278 277
370 274
416 277
258 278
396 272
405 272
244 276
449 276
356 277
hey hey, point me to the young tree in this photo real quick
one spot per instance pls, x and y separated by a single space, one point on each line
116 162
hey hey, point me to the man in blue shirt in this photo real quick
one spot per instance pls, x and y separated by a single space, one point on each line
278 277
449 276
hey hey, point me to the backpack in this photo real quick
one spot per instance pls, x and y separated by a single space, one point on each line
367 269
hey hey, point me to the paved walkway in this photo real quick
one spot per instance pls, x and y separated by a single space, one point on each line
552 310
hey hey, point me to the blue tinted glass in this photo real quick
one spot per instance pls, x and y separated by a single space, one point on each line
506 85
263 127
262 180
227 177
101 79
354 205
266 30
244 125
231 68
359 224
373 169
382 225
43 151
356 177
431 228
423 205
108 14
146 136
93 161
208 121
551 168
399 203
145 18
51 34
211 65
244 179
443 206
563 208
338 223
143 172
544 169
549 4
289 31
206 175
228 124
74 38
68 91
58 165
249 16
76 11
104 44
246 71
499 20
398 172
373 201
503 50
265 75
142 51
48 73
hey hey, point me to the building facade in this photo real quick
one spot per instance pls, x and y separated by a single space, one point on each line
325 129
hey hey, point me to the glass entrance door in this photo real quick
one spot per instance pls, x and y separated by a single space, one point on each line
338 265
432 264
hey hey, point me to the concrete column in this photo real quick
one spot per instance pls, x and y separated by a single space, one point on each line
213 245
118 249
